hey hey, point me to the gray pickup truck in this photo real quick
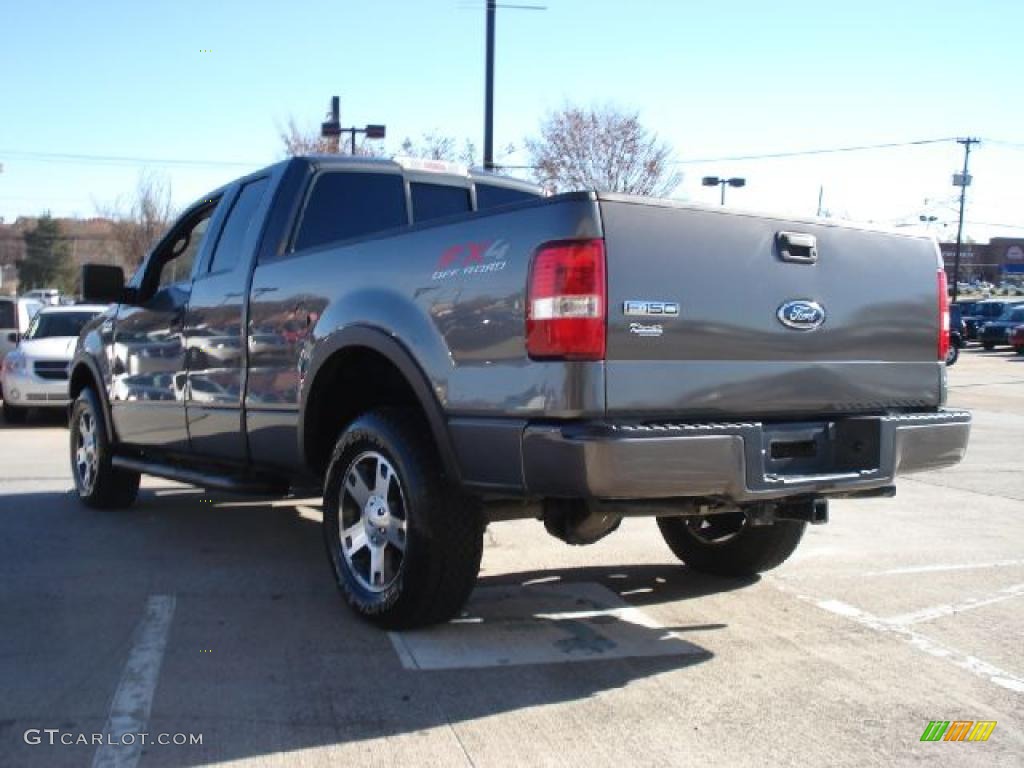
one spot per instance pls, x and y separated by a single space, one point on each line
435 349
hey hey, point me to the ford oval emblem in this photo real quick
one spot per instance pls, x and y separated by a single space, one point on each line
802 315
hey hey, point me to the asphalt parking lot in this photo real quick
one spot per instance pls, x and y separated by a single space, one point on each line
204 614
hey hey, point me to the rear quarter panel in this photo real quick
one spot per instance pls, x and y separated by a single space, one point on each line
452 293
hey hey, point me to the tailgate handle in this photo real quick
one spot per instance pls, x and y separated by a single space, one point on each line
797 247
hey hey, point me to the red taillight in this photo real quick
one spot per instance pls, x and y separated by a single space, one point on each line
943 315
565 302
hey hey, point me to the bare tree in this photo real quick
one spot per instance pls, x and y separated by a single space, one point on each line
136 227
435 146
604 148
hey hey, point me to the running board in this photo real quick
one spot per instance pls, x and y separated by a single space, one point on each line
229 483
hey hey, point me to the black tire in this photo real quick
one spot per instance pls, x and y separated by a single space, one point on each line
725 545
98 483
15 415
432 537
988 346
952 355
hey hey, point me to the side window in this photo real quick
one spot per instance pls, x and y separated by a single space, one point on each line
177 265
490 196
347 205
232 236
435 201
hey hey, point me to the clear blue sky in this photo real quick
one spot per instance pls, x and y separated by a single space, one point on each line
113 77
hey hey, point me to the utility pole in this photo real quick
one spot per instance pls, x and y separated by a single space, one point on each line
331 129
961 180
492 11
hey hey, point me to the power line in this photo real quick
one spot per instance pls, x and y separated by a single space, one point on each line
64 157
1010 144
804 152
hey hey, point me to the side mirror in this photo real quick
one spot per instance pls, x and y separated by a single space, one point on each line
13 337
102 283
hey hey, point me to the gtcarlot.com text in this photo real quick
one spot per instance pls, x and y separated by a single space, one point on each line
54 736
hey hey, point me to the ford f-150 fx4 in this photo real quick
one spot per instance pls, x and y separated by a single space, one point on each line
435 349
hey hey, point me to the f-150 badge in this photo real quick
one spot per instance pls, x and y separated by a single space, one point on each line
643 308
801 314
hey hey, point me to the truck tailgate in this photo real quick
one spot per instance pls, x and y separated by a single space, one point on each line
727 351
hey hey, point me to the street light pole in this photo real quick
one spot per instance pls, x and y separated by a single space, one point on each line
962 181
331 129
715 181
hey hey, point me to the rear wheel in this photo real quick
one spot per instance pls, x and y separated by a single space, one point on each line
727 545
15 415
98 482
405 549
953 354
988 346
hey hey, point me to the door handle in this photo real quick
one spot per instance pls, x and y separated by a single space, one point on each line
797 247
177 323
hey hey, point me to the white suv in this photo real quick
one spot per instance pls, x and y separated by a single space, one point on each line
35 373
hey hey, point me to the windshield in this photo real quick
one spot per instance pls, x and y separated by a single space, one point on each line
1015 316
47 325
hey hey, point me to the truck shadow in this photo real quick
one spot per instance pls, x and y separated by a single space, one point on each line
263 657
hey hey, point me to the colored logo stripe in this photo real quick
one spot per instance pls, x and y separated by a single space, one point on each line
959 730
982 730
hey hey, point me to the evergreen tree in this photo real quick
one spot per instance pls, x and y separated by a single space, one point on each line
47 262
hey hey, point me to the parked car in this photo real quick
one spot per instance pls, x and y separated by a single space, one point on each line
996 333
1017 339
35 373
15 316
456 349
47 296
957 337
985 311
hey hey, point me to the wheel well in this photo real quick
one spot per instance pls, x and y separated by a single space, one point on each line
349 383
81 378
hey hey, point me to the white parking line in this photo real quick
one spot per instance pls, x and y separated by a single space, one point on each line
939 568
938 611
964 661
129 711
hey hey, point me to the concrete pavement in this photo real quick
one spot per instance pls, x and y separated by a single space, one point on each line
202 614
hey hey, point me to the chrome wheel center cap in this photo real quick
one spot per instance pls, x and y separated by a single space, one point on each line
376 513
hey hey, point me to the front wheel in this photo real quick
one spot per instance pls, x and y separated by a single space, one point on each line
727 545
99 484
988 346
404 548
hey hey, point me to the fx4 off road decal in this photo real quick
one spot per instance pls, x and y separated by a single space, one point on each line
471 259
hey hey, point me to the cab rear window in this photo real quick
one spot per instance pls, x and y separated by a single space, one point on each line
491 196
435 201
348 205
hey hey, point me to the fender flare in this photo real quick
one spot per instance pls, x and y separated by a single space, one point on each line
398 355
87 363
